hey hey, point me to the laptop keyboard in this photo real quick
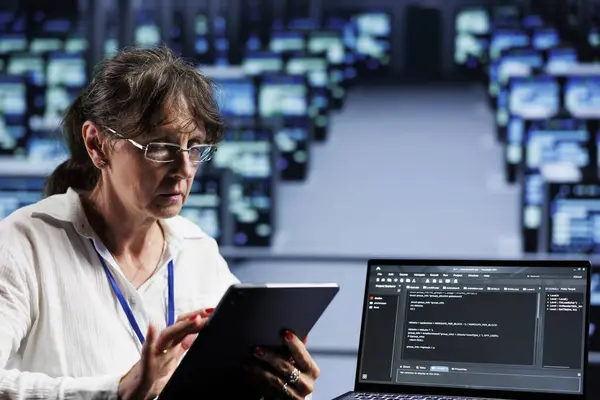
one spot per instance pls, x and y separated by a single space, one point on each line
383 396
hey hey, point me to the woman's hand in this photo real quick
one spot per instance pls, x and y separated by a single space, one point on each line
292 378
160 356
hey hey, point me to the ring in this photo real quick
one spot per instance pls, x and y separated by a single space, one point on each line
284 388
294 376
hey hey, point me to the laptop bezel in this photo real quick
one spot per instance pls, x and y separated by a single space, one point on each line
445 391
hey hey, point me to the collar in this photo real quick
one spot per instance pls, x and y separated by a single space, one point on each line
67 208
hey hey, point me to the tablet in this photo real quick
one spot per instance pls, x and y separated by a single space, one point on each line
247 316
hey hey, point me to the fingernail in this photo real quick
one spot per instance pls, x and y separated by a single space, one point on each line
289 335
194 318
209 310
259 352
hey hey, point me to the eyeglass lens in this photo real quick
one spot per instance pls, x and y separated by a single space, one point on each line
166 152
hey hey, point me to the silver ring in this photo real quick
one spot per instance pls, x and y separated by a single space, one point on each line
284 389
294 376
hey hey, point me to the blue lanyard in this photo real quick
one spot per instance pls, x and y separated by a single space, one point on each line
125 305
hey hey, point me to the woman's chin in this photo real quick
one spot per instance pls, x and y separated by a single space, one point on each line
167 213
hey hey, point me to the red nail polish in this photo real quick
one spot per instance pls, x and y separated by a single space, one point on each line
209 310
289 335
194 317
259 352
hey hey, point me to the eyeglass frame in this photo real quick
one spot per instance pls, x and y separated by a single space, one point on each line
144 148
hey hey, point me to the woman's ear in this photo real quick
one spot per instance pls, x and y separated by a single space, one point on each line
94 143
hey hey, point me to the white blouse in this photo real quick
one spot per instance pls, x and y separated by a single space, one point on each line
63 333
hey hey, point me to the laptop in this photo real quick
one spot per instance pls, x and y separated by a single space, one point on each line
477 329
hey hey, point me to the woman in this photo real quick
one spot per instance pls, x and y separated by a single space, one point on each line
102 285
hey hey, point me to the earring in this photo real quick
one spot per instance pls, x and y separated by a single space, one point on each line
101 164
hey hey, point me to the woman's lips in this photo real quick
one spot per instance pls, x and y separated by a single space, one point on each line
171 197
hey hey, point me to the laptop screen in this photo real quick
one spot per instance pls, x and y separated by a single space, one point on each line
503 328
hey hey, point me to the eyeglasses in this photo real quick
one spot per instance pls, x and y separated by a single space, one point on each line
168 152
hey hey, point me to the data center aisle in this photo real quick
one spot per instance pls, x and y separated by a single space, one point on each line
409 171
406 172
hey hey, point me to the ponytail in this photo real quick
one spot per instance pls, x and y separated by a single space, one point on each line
78 171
